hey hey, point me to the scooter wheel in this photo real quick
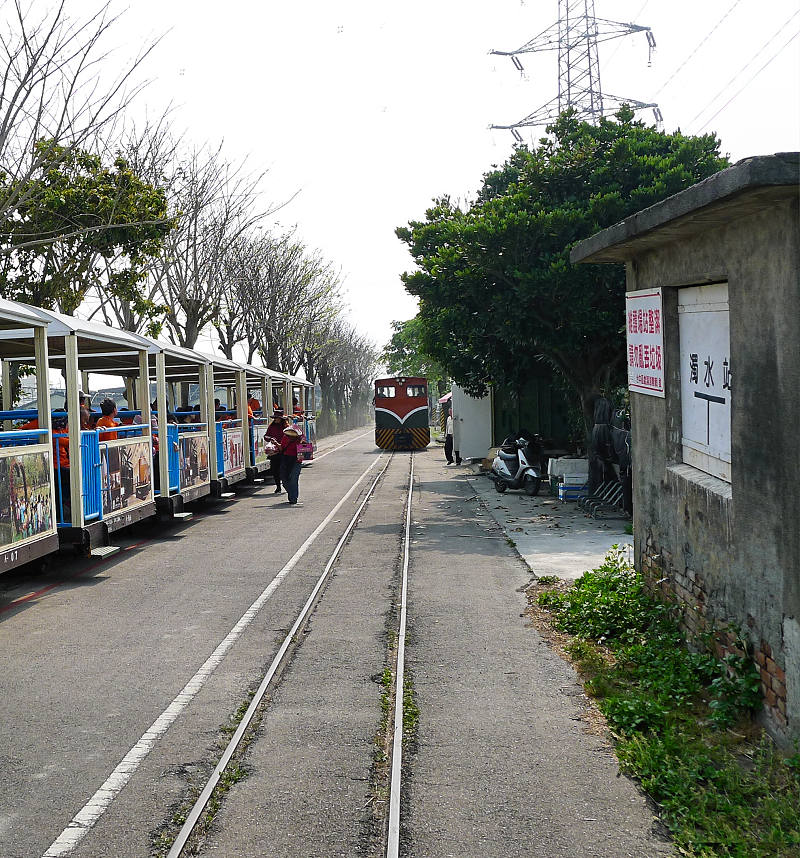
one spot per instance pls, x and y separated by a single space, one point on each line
500 486
532 486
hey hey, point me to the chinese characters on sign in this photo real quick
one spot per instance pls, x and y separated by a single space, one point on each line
706 378
645 335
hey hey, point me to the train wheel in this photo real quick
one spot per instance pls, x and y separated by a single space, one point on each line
531 486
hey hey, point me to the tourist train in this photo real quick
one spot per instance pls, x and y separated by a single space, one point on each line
64 481
402 416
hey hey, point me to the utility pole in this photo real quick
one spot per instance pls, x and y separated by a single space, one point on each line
575 36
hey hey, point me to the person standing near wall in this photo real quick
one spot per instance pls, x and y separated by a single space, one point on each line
448 437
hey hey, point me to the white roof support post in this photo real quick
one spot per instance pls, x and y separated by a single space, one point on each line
203 396
143 401
163 421
287 393
211 419
266 401
7 393
43 402
85 382
129 397
241 407
76 487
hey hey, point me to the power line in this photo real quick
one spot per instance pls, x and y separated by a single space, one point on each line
746 65
616 50
776 54
699 45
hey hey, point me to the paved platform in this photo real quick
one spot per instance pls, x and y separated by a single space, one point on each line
552 537
504 766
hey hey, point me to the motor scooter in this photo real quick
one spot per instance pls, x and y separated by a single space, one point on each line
516 466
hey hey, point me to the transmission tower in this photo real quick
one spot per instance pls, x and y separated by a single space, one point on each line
575 36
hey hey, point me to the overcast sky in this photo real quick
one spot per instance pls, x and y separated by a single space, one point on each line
368 110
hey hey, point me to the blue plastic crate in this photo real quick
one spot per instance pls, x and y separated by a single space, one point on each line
570 493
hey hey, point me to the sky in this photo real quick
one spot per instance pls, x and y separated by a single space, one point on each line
363 112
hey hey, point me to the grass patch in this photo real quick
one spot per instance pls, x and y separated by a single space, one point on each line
682 719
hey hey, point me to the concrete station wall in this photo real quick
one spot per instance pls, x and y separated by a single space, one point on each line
730 553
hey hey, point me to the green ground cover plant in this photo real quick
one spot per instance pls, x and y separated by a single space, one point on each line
683 719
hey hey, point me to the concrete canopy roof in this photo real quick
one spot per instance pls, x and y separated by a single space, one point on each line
101 348
734 192
180 364
15 315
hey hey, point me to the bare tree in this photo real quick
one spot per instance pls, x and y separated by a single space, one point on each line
344 363
215 203
294 293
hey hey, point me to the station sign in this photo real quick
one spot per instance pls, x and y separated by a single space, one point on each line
645 340
706 378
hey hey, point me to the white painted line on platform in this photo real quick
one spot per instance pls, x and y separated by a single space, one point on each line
97 805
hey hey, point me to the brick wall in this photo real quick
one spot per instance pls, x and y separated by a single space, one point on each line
686 589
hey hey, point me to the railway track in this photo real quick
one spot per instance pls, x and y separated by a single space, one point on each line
183 843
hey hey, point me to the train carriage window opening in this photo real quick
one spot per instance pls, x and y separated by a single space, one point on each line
386 391
416 390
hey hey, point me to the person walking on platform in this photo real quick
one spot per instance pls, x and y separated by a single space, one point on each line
290 463
275 431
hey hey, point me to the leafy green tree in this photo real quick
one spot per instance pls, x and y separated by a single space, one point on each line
496 289
404 355
83 225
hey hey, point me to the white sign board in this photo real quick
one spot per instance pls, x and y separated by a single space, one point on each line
706 378
645 335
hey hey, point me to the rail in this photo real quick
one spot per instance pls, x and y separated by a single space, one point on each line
202 800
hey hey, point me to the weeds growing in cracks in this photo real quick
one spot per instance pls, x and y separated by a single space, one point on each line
682 719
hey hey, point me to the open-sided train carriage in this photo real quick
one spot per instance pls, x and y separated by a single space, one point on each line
402 419
27 495
64 480
102 479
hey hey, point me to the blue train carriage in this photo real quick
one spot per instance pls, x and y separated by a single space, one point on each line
230 447
27 496
102 477
184 464
402 419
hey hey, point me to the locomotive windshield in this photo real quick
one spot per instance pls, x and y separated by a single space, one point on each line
385 391
416 390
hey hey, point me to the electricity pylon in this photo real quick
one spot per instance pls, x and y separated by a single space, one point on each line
575 36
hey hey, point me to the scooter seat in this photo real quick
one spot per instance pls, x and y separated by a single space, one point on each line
507 457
